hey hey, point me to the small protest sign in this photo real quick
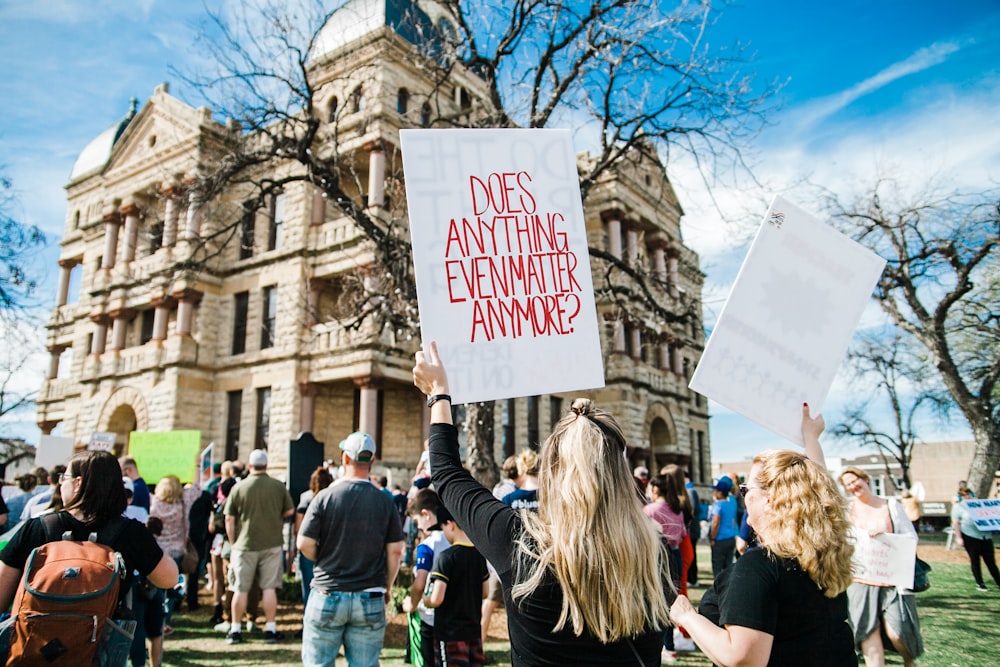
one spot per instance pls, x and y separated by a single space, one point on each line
501 260
788 320
986 513
102 441
53 450
884 559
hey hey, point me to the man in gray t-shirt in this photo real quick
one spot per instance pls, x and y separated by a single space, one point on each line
352 531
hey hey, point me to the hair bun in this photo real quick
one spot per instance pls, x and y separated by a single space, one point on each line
583 407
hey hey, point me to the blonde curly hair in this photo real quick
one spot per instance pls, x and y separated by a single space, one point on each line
807 521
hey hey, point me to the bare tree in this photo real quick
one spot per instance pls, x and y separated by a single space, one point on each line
941 287
17 240
906 384
640 79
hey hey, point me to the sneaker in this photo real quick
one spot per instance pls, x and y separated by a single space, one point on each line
684 644
234 638
982 589
168 630
668 657
222 626
273 637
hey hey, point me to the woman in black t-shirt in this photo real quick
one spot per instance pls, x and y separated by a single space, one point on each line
93 496
784 603
584 578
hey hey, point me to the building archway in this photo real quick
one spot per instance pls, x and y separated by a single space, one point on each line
124 411
663 443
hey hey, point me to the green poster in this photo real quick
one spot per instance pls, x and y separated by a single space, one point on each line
168 453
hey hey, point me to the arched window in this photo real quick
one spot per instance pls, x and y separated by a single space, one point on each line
425 115
464 99
402 100
331 110
356 100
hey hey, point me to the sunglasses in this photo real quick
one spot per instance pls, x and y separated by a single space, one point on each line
744 489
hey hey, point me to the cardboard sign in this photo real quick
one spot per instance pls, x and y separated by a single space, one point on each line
501 261
884 559
205 465
52 451
986 513
788 320
166 453
102 441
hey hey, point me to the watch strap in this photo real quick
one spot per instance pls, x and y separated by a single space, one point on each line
431 400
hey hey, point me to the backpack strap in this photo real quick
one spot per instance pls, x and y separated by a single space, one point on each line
54 529
53 526
111 532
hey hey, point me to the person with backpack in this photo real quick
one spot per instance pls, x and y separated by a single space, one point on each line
94 500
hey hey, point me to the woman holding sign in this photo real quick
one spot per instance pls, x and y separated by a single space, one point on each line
878 606
585 579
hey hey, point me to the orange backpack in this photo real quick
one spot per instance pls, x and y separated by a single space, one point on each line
66 605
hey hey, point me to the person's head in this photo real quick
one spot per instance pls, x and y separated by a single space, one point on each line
798 513
227 486
169 490
423 508
449 527
320 479
41 475
216 469
27 482
527 463
677 474
226 468
55 474
722 488
964 493
129 467
258 460
664 487
359 450
855 481
91 488
590 532
509 468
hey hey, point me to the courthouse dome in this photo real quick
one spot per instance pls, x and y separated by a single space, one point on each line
357 18
98 151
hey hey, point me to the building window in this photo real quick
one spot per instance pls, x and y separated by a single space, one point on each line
234 409
247 224
155 237
509 428
702 457
425 115
555 411
276 218
357 100
331 110
262 431
464 99
146 326
402 101
76 220
533 422
269 316
241 303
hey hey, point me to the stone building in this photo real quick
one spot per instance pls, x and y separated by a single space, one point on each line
249 344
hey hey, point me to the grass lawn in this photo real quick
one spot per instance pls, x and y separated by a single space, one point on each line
959 626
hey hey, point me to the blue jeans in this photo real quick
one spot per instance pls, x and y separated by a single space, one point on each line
306 568
356 620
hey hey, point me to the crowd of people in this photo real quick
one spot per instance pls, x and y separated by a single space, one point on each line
592 560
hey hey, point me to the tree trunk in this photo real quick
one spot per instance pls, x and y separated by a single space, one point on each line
479 443
986 459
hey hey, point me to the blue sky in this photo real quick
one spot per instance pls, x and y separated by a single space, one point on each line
910 86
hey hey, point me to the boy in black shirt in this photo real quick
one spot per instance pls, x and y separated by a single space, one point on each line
459 582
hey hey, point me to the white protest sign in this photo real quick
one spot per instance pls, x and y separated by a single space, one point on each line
887 558
53 451
788 320
102 441
986 513
501 261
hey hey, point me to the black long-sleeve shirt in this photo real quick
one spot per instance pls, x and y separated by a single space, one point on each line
494 528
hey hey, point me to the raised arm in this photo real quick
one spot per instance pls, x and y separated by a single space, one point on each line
811 430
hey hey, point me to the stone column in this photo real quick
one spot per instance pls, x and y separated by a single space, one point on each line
131 213
100 334
660 263
171 216
65 271
632 246
664 356
672 271
161 316
307 410
635 341
316 286
613 221
619 336
368 408
55 351
677 363
376 174
192 226
111 224
318 206
46 427
119 326
186 301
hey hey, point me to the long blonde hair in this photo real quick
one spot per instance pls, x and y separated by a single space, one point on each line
591 535
807 521
169 490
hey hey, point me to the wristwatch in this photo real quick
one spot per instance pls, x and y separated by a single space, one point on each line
431 400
